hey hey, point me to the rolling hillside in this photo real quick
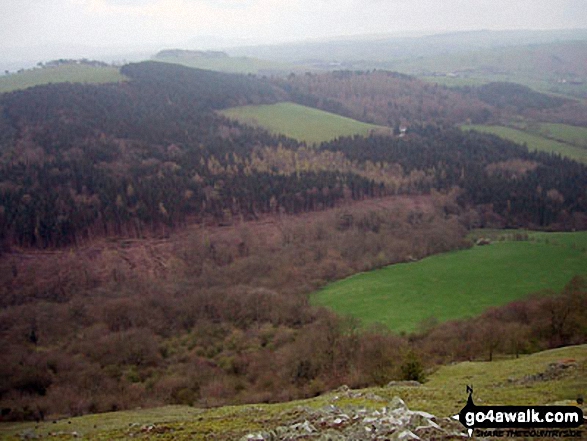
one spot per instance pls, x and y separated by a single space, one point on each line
221 62
301 122
458 284
550 61
547 140
163 254
67 73
551 67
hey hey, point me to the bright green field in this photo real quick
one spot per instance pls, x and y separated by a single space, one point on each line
536 142
458 284
72 73
300 122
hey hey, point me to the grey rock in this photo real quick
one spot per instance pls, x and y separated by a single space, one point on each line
394 422
305 427
398 403
406 435
253 437
28 434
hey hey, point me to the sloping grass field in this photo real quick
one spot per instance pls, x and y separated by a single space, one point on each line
504 382
300 122
70 73
240 65
565 133
458 284
537 142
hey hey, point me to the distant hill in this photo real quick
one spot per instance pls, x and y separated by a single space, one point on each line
552 67
187 54
546 60
384 48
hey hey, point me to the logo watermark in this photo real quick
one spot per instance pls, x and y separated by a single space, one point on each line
520 421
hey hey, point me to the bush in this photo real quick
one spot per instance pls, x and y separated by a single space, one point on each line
412 369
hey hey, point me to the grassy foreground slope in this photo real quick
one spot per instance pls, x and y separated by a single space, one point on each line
458 284
537 142
70 73
300 122
506 382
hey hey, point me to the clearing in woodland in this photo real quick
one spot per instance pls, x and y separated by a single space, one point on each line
458 284
300 122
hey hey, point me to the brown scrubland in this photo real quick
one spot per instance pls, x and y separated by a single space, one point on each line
216 315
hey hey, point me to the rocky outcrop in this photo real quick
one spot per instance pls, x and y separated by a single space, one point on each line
553 371
394 422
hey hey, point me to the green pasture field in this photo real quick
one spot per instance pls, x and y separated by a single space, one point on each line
300 122
536 142
565 133
502 382
70 73
458 284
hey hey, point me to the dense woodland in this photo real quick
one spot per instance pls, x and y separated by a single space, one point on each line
385 98
511 187
513 100
83 161
393 99
213 308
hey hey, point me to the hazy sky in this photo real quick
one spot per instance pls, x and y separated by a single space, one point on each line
170 22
